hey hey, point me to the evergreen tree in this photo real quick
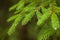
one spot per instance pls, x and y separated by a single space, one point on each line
42 18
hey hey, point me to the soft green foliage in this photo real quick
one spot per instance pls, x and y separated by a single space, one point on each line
44 17
15 23
28 17
12 18
20 5
44 33
38 14
44 13
44 10
55 21
57 9
13 7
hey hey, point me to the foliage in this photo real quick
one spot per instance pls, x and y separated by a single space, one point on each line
46 22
